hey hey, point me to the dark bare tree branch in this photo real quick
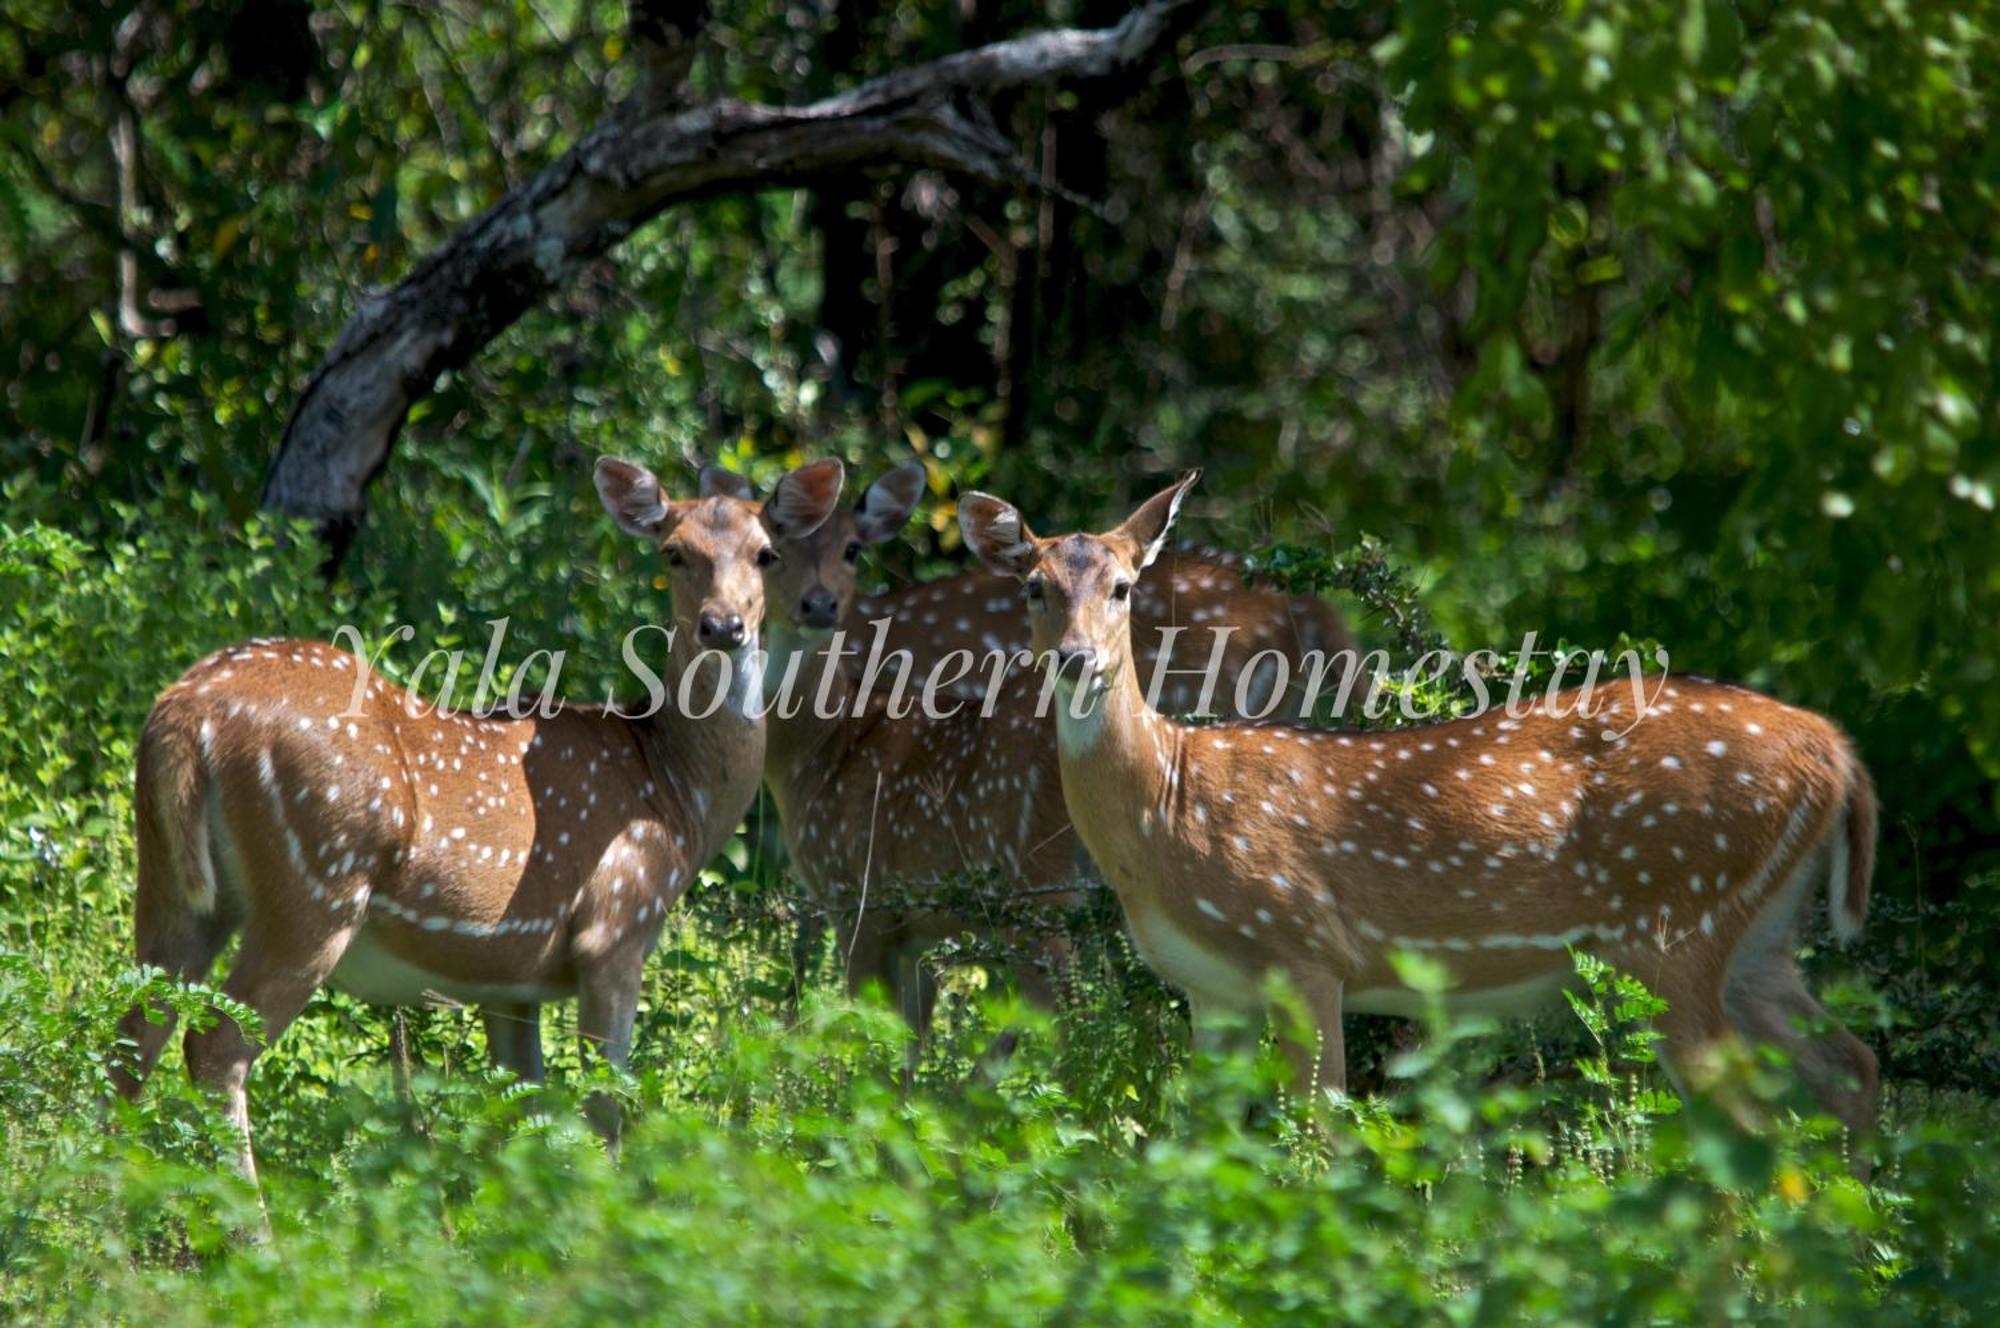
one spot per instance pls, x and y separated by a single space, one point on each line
622 174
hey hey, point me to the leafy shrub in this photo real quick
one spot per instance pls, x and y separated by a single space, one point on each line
794 1181
781 1172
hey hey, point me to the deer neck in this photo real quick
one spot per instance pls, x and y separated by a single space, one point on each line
808 697
1121 773
707 755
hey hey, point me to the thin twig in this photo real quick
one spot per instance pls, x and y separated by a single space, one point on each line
867 866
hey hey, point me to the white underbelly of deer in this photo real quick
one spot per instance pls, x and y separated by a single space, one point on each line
370 971
1179 955
1206 960
1527 996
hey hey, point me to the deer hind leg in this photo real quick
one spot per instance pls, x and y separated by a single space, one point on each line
283 961
880 947
872 951
916 988
1038 978
1769 1003
184 943
865 953
186 906
514 1037
807 939
1040 975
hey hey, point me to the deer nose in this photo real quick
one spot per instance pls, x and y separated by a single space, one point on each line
720 631
818 607
1077 662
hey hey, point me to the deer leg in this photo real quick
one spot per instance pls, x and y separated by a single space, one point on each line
1770 1004
514 1037
875 952
279 968
177 924
872 954
1767 1001
914 989
806 940
185 944
1206 1035
865 955
1039 979
1215 1030
607 1004
1695 1025
1038 988
1320 1063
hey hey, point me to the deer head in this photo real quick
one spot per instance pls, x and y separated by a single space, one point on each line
1078 587
812 586
722 549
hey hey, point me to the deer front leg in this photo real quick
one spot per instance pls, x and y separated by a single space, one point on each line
607 1003
1213 1029
1319 1062
514 1037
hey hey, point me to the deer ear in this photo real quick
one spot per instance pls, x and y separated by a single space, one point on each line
997 536
886 507
719 483
1148 527
632 495
804 499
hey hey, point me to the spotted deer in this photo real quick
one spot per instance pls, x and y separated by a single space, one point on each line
891 802
1682 846
1192 606
356 836
1185 601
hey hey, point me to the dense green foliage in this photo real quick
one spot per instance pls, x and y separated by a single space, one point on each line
1611 319
784 1179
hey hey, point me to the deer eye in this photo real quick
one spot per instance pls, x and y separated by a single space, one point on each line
1034 590
1121 590
767 557
675 558
852 552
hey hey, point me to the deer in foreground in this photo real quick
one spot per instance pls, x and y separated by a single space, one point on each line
360 838
891 803
972 790
1681 845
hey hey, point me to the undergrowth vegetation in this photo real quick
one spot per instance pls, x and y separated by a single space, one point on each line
778 1168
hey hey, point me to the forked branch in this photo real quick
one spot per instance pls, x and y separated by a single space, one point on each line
647 155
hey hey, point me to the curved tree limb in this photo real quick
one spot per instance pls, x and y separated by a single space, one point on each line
647 155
